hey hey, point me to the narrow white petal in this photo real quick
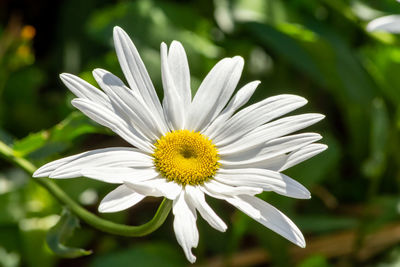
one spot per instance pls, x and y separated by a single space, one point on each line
173 104
223 189
235 201
72 166
48 168
185 227
270 149
130 104
196 197
271 164
214 93
389 23
119 175
157 187
237 101
270 131
285 161
276 220
135 71
255 115
179 69
83 89
111 120
266 179
120 199
302 155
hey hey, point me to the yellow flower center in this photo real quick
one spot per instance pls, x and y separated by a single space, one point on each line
186 157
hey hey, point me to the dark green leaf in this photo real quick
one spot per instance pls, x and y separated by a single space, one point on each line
58 138
379 137
30 143
61 232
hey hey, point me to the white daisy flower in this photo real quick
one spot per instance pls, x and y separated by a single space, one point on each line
184 148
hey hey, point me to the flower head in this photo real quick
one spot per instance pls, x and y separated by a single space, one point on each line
184 148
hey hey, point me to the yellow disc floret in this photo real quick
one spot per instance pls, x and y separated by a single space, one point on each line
186 157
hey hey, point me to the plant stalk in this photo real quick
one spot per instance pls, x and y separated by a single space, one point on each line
85 215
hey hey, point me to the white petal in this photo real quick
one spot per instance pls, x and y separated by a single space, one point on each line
172 103
179 69
158 187
120 199
385 24
266 179
185 227
223 189
48 168
285 161
196 197
111 120
237 101
270 149
83 89
276 220
119 175
72 166
255 115
271 131
130 104
302 155
214 92
235 201
135 71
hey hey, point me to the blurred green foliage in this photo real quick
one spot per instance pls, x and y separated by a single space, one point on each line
318 49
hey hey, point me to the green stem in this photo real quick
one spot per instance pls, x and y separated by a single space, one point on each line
82 213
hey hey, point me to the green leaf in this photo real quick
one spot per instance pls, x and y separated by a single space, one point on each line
30 143
44 143
379 137
383 64
61 232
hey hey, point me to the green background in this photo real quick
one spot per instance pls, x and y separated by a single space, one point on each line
318 49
